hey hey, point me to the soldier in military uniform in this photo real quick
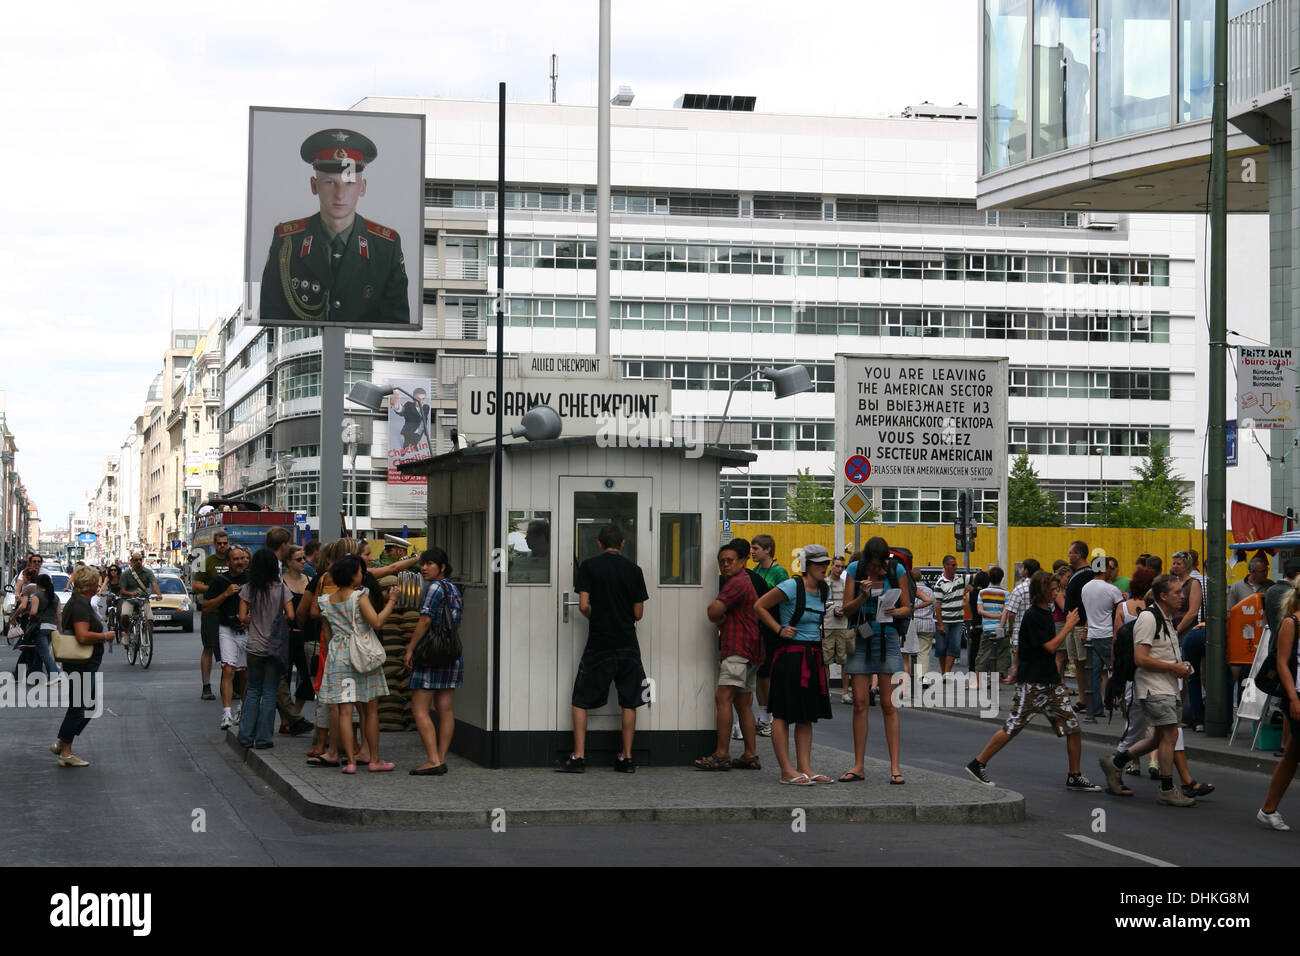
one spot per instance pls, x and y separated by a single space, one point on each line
336 267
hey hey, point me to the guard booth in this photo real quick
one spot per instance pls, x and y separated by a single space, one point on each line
557 494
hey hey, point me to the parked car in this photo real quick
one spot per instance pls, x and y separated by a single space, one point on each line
62 587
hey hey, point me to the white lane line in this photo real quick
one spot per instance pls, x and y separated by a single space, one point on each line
1120 850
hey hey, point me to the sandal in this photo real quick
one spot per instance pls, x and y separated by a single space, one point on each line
320 760
350 768
819 778
896 779
849 776
798 780
1123 791
746 763
1195 789
713 762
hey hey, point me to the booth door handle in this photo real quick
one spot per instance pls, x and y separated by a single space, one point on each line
566 604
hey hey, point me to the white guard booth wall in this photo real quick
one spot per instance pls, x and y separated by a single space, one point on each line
666 502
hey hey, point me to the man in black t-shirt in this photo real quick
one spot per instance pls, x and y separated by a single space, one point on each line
222 598
612 596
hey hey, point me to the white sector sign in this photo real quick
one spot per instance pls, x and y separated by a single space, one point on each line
923 422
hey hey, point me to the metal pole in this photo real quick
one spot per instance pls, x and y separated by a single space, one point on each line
498 469
602 187
1215 677
331 438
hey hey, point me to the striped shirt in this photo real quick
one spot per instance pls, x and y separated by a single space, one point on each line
1017 605
992 598
949 595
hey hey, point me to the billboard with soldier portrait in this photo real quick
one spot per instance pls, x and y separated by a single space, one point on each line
335 208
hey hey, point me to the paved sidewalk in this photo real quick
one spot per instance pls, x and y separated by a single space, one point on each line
468 794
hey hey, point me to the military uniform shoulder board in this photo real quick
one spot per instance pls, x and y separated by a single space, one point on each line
383 232
289 228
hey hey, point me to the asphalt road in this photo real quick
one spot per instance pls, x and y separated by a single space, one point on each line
164 788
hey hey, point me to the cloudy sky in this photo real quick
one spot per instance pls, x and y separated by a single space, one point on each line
127 126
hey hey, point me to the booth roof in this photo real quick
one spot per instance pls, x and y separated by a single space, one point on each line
728 456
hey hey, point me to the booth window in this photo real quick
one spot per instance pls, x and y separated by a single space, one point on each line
679 550
528 547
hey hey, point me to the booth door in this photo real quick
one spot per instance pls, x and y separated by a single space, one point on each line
587 505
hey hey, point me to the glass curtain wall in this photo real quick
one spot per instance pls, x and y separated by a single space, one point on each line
1195 59
1061 75
1133 64
1006 84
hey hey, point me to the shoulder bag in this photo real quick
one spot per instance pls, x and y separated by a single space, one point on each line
440 646
364 650
65 646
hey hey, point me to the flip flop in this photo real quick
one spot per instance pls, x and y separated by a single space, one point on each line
800 780
320 760
896 779
849 776
820 778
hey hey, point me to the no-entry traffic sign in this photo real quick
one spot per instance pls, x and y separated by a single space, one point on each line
857 469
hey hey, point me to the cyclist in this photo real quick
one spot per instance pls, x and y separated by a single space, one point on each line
136 580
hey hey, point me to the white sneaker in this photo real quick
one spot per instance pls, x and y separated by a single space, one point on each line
735 731
227 721
765 728
236 713
846 698
1273 820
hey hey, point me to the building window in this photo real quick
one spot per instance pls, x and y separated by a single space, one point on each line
679 549
1132 67
1006 84
1061 63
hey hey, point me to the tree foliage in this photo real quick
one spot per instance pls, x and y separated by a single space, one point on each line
1029 505
809 501
1157 498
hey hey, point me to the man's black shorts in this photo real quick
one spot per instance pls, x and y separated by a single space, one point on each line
598 669
208 625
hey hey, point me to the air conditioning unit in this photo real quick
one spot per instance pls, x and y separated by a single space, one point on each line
1101 220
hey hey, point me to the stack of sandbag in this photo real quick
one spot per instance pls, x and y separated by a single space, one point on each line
395 707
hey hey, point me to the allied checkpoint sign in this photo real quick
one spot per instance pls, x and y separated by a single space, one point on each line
922 422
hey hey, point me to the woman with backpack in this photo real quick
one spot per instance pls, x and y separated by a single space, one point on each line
1288 653
265 609
877 650
434 685
798 692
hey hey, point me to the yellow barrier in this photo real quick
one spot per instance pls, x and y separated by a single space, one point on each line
929 543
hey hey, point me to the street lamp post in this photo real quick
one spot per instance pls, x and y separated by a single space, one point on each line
787 381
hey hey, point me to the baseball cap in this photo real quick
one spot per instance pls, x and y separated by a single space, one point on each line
816 554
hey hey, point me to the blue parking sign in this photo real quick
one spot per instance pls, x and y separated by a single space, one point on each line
1230 440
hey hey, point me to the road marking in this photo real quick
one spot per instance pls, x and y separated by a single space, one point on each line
1115 849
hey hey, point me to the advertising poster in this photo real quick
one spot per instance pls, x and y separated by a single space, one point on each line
335 210
409 432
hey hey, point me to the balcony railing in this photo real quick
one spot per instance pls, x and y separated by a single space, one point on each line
1258 56
454 324
474 269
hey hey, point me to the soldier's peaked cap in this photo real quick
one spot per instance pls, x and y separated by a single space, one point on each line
330 150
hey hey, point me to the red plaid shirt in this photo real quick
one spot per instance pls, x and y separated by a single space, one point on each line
739 630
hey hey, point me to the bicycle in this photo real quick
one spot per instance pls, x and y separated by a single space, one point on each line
112 620
139 643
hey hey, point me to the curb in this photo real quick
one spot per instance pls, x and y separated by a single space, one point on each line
1010 808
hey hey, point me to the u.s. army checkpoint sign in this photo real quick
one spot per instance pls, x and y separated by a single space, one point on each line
923 422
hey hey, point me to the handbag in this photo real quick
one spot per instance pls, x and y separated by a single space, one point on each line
440 646
66 647
364 649
279 640
1267 678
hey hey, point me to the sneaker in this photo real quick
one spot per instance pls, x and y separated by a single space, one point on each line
236 713
846 698
1198 729
1114 776
1134 768
227 721
1273 820
572 764
1153 772
765 728
72 760
976 770
207 693
735 731
624 765
1077 781
1089 719
1175 798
